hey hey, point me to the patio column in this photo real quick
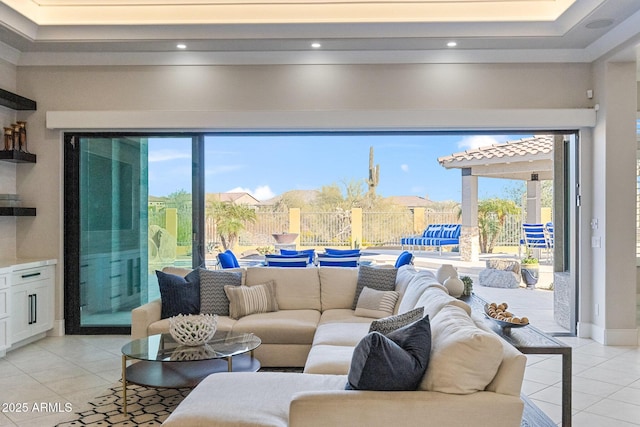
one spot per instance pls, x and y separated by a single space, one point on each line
469 236
294 223
533 200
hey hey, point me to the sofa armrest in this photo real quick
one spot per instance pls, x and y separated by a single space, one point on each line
143 316
410 408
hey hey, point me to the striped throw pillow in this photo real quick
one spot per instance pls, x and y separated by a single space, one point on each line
245 300
377 304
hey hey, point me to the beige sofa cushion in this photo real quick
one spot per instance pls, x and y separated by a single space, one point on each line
508 379
296 288
405 275
281 327
241 399
464 358
329 359
434 299
342 315
338 287
341 333
422 280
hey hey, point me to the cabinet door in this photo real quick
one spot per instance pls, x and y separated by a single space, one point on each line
41 300
20 315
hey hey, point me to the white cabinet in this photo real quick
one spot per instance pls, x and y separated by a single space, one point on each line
32 299
5 303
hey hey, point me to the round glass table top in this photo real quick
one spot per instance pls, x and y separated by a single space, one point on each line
163 348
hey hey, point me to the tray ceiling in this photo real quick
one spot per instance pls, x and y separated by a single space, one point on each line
39 31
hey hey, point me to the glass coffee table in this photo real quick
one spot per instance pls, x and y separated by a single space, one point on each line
163 363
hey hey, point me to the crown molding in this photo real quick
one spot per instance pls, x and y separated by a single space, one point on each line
9 54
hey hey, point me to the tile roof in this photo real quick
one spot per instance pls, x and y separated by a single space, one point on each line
539 145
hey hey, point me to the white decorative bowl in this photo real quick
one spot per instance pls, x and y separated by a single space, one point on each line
193 329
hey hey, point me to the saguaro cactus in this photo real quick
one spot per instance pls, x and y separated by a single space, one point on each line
374 174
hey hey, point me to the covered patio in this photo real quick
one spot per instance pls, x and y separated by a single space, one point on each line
527 159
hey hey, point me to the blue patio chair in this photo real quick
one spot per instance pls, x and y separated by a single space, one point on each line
287 260
550 238
333 260
227 259
405 258
311 253
534 237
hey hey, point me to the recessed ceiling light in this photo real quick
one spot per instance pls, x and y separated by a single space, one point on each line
316 45
452 44
181 46
599 23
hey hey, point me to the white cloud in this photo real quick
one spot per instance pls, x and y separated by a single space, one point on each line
404 167
165 155
262 192
477 141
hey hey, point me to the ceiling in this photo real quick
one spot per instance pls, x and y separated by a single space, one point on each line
101 32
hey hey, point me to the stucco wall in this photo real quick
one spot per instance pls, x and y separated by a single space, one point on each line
272 88
613 269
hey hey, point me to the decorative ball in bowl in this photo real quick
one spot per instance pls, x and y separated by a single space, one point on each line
193 329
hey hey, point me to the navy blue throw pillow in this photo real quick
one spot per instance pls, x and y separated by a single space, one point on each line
180 295
394 362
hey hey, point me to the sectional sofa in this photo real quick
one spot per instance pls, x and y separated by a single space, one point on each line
473 377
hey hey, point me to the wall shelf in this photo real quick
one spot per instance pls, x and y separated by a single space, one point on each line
15 211
16 102
15 156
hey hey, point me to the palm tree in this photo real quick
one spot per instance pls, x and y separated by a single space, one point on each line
229 220
491 218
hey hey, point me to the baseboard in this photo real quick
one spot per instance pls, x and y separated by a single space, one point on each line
609 336
58 329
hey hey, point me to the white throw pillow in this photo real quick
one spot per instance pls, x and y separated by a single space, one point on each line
464 358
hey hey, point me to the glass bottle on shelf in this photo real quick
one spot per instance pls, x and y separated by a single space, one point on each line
8 139
23 136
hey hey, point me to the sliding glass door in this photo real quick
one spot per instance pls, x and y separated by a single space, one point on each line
128 213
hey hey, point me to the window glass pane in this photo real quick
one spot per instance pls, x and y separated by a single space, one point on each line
112 228
135 210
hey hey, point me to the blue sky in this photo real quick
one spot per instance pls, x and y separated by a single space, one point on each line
265 166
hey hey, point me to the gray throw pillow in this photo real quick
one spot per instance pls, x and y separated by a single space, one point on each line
380 279
391 323
394 362
213 299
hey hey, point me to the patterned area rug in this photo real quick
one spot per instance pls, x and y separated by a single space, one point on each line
146 406
150 407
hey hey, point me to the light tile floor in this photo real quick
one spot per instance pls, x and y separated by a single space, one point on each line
65 373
